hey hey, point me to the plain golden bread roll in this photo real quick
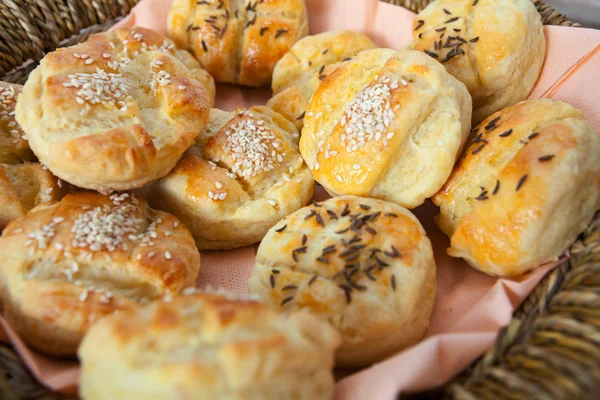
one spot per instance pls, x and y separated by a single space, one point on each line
243 174
13 142
301 70
66 265
366 266
386 125
206 346
238 41
25 186
495 47
101 117
528 184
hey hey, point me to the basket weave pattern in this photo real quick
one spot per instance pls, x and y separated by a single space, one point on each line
551 349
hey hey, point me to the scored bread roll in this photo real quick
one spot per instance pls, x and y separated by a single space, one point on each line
13 142
386 125
366 266
108 115
528 183
495 47
238 41
301 70
66 265
24 183
207 346
243 174
25 186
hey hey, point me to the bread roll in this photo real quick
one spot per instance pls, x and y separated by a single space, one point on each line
205 346
528 183
25 186
243 174
301 70
14 148
66 265
386 125
108 115
495 47
366 266
238 42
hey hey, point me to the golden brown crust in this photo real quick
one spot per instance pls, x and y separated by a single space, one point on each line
25 186
64 266
386 125
528 183
495 47
364 265
238 41
105 115
206 346
309 61
242 176
14 148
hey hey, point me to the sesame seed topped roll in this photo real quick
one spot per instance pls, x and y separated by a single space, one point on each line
13 141
205 346
243 174
527 185
24 186
115 112
238 41
301 70
364 265
66 265
495 47
386 125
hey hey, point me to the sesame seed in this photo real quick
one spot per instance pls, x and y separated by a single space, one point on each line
521 182
182 87
249 144
105 228
222 196
106 55
167 255
218 185
211 195
175 224
546 158
89 61
272 202
339 178
98 87
356 166
368 116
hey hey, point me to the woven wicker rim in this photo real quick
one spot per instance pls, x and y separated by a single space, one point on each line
550 349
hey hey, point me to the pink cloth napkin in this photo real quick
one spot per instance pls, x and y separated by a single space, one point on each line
471 307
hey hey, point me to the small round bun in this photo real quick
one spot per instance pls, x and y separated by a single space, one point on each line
299 72
14 148
243 174
112 113
206 347
495 47
25 186
66 265
366 266
386 125
528 184
238 42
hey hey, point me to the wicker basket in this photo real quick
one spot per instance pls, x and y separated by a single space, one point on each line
550 350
